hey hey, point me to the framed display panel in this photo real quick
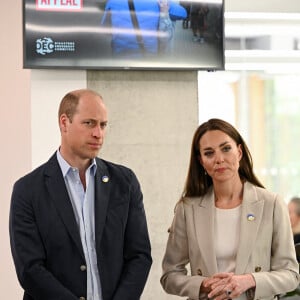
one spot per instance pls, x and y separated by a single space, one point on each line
123 34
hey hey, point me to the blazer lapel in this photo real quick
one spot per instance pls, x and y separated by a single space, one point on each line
204 220
252 211
103 184
59 194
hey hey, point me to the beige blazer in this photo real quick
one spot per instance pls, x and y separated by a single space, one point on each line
266 248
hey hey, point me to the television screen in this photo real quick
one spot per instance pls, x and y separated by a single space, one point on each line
124 34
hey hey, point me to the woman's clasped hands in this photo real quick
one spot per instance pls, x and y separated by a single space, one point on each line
227 285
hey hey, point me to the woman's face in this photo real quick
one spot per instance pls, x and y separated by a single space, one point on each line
220 155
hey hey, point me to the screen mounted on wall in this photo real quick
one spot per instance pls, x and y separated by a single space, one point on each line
124 34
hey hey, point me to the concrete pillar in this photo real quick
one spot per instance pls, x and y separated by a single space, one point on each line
152 118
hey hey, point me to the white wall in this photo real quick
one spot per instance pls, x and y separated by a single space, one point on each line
276 6
15 132
47 89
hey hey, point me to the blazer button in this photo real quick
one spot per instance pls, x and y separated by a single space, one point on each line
81 298
257 269
199 272
169 230
83 268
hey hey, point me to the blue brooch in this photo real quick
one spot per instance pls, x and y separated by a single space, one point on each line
105 178
250 217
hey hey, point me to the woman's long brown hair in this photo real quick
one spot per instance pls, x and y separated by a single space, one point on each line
197 181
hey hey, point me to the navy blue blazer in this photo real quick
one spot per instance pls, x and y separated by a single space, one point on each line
45 239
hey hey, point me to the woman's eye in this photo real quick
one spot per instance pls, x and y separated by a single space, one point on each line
208 153
227 148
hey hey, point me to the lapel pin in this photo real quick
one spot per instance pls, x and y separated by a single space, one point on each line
250 217
105 179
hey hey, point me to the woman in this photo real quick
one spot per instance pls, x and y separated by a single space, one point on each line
235 235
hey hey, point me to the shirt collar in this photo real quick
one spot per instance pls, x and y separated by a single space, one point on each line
65 167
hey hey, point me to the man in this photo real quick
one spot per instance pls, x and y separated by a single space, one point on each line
294 212
77 223
199 13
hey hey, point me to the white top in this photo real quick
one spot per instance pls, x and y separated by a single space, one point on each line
227 235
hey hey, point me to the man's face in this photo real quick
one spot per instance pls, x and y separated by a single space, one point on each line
294 218
83 136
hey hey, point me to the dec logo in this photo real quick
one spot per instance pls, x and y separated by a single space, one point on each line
59 5
44 46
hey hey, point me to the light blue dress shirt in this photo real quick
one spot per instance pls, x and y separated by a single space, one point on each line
83 202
